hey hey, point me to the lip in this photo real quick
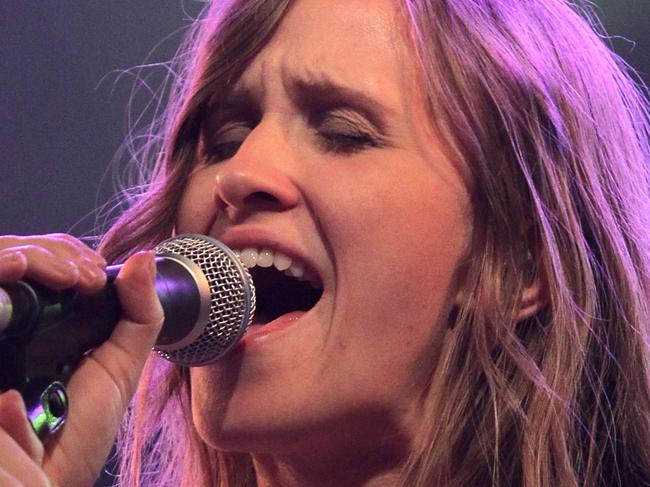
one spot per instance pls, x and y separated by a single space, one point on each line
259 237
261 333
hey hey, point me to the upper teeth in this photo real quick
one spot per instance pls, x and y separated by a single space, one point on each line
265 257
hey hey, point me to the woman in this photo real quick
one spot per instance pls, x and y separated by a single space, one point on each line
466 183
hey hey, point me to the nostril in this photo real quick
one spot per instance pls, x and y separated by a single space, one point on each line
261 197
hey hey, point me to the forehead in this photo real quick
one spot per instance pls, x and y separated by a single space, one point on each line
360 44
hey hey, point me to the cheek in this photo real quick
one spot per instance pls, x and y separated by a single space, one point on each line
197 207
401 232
397 247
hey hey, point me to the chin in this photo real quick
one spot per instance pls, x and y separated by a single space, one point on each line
252 433
232 416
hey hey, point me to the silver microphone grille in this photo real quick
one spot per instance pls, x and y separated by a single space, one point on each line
231 296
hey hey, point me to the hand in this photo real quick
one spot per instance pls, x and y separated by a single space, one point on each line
100 389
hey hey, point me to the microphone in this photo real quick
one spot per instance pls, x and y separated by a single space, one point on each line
207 295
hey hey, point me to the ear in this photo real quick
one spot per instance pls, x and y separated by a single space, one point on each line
533 299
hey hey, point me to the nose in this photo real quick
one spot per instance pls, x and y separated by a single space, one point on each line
257 178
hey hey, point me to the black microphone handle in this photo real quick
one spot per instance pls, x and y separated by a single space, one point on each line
207 296
50 331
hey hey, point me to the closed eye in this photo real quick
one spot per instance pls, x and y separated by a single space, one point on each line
346 143
225 142
344 132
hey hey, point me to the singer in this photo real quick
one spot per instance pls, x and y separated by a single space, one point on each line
444 207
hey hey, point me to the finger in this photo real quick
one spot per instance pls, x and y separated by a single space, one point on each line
90 264
142 318
136 290
112 370
7 480
54 270
76 246
17 464
12 266
14 421
45 267
7 241
60 243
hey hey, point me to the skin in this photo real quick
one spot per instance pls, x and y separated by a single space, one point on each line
75 454
333 399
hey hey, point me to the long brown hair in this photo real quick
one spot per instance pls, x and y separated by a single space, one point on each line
554 133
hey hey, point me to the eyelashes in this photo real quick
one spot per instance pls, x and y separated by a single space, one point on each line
345 133
346 142
225 143
332 133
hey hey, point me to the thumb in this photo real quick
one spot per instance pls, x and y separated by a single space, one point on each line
105 381
124 354
142 314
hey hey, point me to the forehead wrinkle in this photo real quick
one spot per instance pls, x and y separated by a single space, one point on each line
250 86
309 87
293 79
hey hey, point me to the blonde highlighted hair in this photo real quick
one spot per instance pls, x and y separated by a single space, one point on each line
554 133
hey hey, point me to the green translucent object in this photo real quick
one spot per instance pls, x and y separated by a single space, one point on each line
49 414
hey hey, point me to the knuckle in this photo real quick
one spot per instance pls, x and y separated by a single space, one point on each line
30 249
64 239
58 236
74 245
8 251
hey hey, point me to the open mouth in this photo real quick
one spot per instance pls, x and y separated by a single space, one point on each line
282 284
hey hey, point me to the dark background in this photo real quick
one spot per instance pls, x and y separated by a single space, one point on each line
64 88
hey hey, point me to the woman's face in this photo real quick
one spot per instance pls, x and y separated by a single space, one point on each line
323 152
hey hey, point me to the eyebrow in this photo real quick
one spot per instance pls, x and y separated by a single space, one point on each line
311 94
321 94
239 98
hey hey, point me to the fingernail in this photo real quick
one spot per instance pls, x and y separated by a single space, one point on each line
92 270
99 260
66 266
96 260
